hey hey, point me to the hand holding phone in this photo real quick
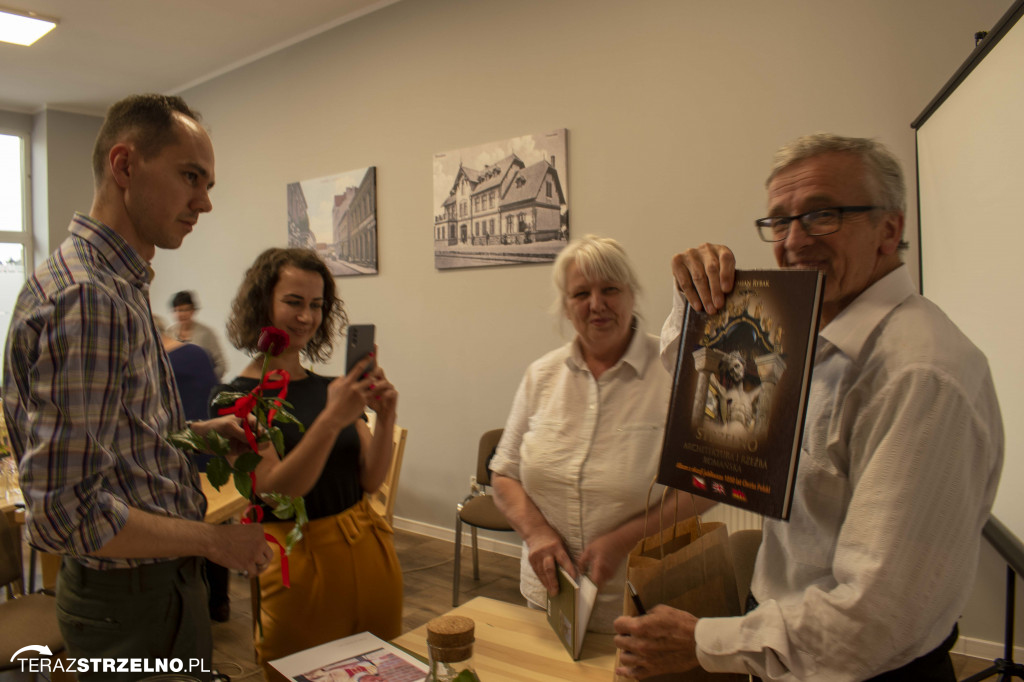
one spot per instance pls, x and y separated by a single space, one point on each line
358 344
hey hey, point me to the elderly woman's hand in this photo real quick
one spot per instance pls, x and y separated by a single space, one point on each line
602 557
546 553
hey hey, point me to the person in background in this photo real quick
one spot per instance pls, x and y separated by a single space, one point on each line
583 439
902 450
345 576
195 378
89 398
189 330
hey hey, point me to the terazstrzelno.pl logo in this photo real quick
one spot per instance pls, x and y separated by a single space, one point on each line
41 663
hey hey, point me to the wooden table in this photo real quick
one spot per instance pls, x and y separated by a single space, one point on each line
224 504
516 643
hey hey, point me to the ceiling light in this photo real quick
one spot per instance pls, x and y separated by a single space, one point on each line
23 28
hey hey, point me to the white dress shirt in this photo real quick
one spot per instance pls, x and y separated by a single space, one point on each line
902 450
586 451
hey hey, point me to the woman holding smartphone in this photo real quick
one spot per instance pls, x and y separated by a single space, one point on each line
345 576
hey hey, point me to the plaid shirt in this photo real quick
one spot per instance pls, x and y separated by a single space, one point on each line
90 396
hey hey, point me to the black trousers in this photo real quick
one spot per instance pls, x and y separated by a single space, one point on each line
153 611
934 666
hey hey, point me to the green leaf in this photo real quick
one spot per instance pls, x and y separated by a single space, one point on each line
282 505
247 461
187 440
277 438
225 399
293 538
286 417
217 444
218 471
301 517
243 484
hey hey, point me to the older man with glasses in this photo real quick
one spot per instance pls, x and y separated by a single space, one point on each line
903 446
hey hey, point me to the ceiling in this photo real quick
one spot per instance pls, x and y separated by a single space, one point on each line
103 50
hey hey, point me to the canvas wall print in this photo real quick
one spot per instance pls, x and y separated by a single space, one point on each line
337 217
501 203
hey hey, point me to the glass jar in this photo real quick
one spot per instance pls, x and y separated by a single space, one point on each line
450 645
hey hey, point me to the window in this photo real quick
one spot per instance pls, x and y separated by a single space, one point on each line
549 189
491 195
15 238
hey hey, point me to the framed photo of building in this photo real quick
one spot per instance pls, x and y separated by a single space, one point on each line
337 217
501 203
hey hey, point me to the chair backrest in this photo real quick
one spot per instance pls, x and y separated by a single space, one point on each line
10 557
383 501
488 442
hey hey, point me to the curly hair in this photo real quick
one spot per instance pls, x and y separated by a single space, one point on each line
250 311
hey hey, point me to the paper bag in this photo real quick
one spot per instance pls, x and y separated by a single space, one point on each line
688 567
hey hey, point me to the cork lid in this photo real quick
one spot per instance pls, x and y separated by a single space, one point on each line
450 631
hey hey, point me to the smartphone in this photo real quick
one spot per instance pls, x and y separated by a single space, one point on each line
358 344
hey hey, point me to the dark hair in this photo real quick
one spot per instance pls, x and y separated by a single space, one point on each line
148 120
250 311
183 298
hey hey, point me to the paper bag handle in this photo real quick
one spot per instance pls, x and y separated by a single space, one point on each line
661 517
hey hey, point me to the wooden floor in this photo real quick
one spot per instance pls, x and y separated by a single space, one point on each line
427 568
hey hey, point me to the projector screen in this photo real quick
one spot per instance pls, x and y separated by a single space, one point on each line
970 157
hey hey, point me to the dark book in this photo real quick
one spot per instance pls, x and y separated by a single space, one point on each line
739 395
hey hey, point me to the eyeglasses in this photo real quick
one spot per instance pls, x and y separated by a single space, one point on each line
815 223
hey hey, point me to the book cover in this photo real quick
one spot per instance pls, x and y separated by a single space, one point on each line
739 395
363 656
569 610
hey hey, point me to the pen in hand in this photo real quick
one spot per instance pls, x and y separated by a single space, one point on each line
636 599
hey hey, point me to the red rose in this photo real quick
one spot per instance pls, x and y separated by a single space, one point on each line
272 340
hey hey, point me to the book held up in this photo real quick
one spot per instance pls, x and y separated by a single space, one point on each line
739 393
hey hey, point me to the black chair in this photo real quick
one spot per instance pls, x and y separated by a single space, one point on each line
478 510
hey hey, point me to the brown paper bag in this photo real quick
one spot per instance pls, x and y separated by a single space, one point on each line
688 567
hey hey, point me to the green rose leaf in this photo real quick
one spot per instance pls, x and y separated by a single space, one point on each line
247 461
243 484
187 440
218 471
226 399
277 438
293 538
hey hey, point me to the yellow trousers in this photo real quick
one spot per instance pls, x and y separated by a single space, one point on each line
345 579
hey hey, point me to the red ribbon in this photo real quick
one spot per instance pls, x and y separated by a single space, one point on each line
258 513
242 408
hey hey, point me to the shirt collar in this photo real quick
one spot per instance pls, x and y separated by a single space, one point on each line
638 354
850 329
123 259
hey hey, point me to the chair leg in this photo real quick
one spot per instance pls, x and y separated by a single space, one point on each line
476 558
458 556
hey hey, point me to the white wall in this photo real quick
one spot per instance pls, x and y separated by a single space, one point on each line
62 146
673 109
